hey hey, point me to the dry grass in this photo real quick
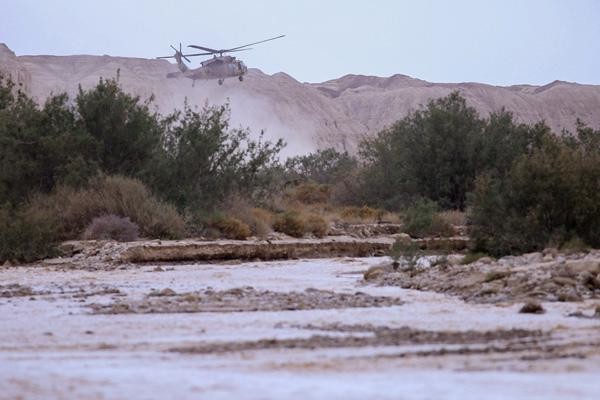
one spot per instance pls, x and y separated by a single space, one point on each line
316 225
362 214
311 193
231 228
111 195
454 217
291 223
259 220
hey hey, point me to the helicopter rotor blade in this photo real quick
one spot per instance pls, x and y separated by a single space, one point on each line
212 51
250 44
235 51
165 57
199 54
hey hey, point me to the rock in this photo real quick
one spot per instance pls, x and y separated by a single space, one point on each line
589 280
533 258
164 292
548 258
562 271
455 259
564 281
495 275
569 296
597 312
377 271
578 266
532 307
57 261
485 260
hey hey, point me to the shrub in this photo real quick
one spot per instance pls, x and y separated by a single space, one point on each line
40 146
361 214
574 245
205 161
316 225
326 166
438 151
532 307
422 220
454 217
549 197
231 228
111 195
290 223
258 220
311 193
112 227
28 234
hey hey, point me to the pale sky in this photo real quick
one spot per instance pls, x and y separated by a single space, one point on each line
501 42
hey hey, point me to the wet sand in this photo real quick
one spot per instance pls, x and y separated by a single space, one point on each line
287 329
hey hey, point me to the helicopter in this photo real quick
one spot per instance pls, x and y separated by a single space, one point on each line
219 67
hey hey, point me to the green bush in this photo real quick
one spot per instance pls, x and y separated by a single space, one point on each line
325 167
28 235
205 162
40 146
437 153
422 219
548 197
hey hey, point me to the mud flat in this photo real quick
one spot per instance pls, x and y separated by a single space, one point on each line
299 329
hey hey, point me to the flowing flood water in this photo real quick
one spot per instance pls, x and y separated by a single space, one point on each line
299 329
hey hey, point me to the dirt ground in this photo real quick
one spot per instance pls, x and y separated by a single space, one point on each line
541 276
304 329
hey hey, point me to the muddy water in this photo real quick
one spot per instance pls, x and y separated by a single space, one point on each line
291 329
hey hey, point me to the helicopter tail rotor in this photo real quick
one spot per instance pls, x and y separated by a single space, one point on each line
178 54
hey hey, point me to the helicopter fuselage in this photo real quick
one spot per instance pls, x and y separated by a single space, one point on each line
218 67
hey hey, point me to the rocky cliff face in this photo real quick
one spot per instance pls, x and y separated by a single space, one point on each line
308 116
10 66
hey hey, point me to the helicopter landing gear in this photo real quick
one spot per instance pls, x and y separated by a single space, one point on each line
241 77
220 81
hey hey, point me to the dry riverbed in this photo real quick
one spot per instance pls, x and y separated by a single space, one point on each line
101 328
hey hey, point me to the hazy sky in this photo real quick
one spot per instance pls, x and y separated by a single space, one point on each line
499 42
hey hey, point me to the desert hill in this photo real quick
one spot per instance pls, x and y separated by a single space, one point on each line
307 115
